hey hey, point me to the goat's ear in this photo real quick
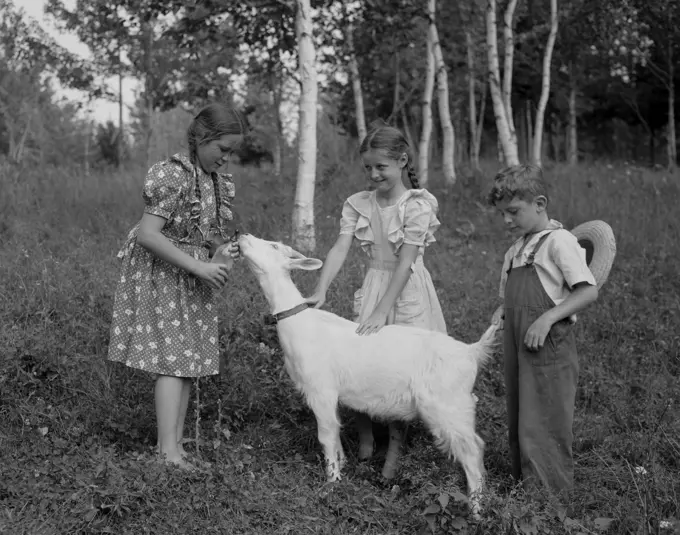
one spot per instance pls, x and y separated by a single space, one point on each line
308 264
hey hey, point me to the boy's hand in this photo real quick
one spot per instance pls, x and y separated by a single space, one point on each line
498 317
537 333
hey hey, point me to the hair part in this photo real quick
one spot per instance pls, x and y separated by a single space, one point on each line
523 181
381 136
212 122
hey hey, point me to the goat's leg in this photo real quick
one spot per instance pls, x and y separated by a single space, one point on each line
364 427
397 436
328 429
452 422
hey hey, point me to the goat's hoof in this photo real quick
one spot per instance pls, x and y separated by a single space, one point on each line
389 473
365 452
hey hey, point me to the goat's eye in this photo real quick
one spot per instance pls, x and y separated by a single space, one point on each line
275 246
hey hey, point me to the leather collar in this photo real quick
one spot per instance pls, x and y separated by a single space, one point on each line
273 319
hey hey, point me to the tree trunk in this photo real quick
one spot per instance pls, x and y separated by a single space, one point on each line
149 89
278 135
426 133
303 213
573 132
502 105
356 85
477 141
397 85
545 85
475 125
448 132
119 140
407 129
671 142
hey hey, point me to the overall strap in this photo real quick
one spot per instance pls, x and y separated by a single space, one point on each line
530 258
541 240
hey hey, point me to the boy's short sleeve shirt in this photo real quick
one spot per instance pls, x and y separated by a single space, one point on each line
560 262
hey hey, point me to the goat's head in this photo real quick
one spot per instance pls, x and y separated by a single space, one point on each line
268 257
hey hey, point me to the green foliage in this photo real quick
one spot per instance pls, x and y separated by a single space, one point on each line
76 444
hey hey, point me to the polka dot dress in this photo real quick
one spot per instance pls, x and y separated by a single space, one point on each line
164 319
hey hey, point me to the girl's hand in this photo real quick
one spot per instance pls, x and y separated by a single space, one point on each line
537 333
234 250
373 324
213 274
318 298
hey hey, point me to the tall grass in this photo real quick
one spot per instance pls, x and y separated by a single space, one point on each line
77 432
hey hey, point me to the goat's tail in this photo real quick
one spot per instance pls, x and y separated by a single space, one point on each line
486 344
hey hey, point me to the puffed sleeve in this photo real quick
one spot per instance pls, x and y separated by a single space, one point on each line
350 216
420 222
164 187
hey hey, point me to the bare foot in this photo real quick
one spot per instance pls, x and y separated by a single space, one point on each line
180 449
176 461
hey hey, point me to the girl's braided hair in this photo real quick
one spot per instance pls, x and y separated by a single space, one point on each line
381 136
211 123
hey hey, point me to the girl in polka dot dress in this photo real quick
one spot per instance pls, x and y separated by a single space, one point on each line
164 313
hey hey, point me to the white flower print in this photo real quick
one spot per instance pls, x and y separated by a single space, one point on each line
121 347
117 330
138 289
212 340
187 353
139 328
168 341
148 328
181 338
208 306
154 361
176 323
171 358
152 345
191 367
139 347
194 308
199 322
124 296
130 330
178 373
171 304
161 324
158 310
208 362
141 364
128 311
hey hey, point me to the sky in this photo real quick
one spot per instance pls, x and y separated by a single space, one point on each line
100 110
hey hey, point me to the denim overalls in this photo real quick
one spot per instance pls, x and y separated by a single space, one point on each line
540 385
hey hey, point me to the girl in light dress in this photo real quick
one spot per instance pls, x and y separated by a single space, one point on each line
393 226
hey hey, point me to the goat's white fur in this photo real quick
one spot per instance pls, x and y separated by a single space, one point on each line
399 373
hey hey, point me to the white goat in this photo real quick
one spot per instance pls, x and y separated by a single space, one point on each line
399 373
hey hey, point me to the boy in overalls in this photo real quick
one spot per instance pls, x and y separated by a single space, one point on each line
545 281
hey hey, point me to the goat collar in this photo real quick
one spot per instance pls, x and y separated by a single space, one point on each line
273 319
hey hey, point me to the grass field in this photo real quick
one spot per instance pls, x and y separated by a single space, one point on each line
77 433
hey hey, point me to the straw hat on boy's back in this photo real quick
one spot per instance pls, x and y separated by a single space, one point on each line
597 238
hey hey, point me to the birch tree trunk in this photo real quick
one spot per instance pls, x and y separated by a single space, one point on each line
356 85
426 133
448 132
119 140
303 212
502 105
545 86
573 129
277 156
148 60
472 101
671 142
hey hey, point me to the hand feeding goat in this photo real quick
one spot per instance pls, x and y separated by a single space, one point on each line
399 373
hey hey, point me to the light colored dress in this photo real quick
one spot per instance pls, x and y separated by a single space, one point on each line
164 319
381 233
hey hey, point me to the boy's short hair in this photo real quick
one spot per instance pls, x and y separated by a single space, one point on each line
524 181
